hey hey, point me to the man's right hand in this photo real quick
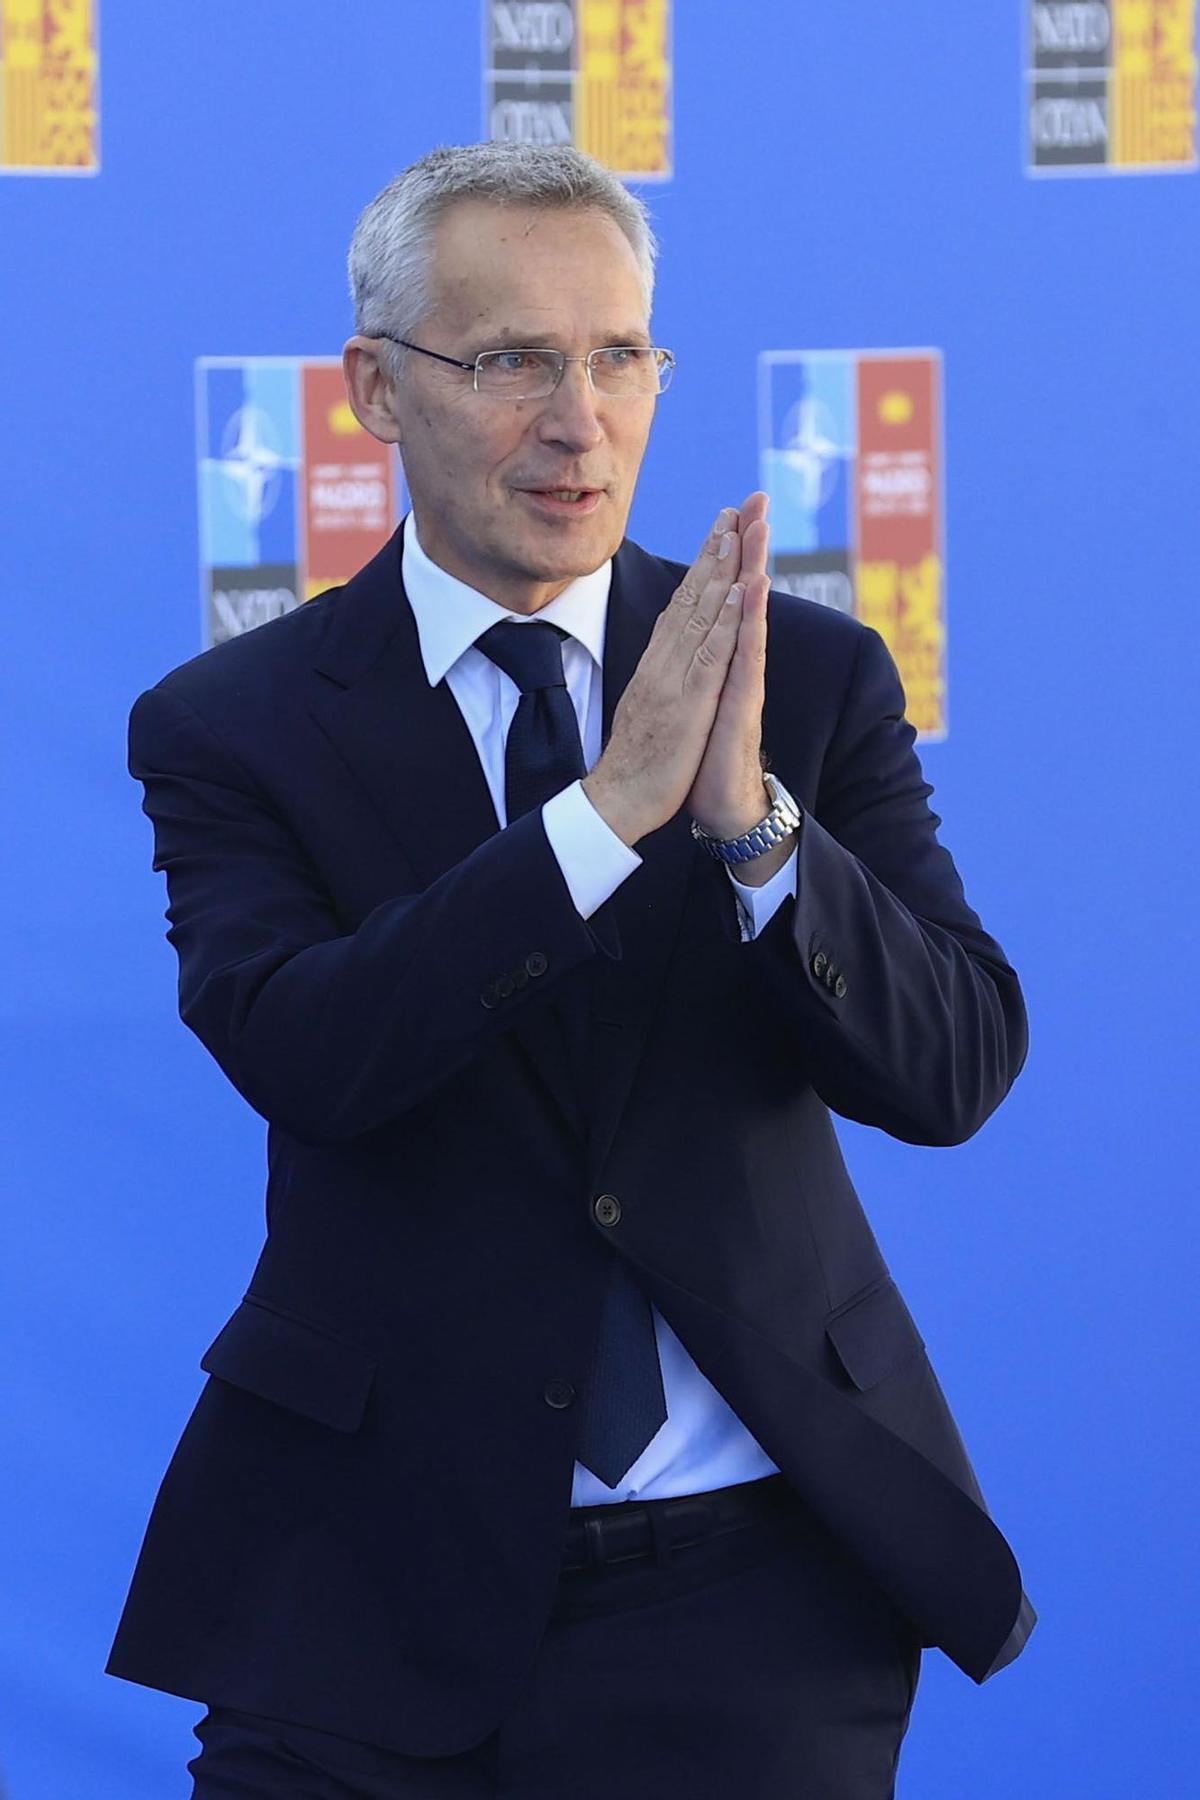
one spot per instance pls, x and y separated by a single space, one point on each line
662 721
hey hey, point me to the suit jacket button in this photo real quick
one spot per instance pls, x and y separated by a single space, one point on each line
839 987
535 962
504 986
819 963
558 1394
607 1209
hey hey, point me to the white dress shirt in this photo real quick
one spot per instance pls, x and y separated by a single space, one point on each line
703 1444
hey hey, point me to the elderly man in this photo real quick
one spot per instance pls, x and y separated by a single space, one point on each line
572 1438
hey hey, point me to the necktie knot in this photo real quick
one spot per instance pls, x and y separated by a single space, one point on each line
530 654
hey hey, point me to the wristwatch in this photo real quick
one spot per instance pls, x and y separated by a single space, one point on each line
782 819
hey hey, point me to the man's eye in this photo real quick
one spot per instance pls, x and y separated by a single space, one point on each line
514 362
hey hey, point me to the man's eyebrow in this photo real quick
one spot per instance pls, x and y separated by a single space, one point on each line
534 340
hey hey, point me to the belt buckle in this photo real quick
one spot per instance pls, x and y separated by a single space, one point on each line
593 1543
657 1519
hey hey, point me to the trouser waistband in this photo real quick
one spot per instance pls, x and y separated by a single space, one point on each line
632 1528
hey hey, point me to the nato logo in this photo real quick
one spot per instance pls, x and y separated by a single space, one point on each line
250 454
249 435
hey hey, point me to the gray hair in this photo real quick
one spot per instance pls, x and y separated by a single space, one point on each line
392 247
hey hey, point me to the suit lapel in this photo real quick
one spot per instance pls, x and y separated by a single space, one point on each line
407 743
409 746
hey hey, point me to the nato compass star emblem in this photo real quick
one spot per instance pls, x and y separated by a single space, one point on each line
809 451
251 460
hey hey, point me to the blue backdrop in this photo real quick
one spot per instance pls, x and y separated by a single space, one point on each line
846 177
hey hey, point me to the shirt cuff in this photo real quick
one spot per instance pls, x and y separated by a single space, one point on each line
758 905
593 859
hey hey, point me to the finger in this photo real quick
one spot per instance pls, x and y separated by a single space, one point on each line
757 595
710 658
694 582
753 507
755 539
725 573
754 623
696 615
743 688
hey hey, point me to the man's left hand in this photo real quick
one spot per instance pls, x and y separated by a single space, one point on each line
729 795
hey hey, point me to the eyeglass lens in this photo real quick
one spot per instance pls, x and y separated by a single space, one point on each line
531 374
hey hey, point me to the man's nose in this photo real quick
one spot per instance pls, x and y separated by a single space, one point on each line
570 414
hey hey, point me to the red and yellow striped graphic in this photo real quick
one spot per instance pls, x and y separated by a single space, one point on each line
623 85
48 73
1152 91
899 577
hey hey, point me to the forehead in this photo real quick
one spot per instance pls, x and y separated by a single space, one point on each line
555 268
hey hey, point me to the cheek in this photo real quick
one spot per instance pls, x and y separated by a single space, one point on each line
430 418
630 446
478 450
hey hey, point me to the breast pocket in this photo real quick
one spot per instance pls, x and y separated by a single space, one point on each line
873 1334
292 1364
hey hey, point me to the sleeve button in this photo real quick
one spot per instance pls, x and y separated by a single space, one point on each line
504 986
819 964
839 987
607 1209
535 962
558 1394
488 997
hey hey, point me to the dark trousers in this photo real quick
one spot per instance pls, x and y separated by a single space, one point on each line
759 1663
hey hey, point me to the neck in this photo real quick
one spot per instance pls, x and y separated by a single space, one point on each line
517 593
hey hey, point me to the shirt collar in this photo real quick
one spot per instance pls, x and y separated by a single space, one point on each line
450 615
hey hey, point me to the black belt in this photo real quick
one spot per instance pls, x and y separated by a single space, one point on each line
630 1528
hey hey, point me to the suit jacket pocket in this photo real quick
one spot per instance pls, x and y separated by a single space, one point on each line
293 1364
873 1334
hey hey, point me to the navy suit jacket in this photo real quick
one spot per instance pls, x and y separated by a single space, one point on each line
362 1525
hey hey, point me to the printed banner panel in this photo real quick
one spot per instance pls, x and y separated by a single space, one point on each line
1111 86
596 73
850 448
49 87
294 495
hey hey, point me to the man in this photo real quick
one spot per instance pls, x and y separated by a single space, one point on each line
572 1438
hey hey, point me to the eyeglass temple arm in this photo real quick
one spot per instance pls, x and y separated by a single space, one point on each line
454 361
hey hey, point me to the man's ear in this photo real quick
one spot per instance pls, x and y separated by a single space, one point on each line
369 388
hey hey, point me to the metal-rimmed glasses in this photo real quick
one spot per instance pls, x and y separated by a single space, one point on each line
633 371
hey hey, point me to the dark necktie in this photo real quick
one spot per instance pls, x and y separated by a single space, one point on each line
626 1404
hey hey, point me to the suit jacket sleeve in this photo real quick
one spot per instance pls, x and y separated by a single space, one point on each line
329 1032
928 1031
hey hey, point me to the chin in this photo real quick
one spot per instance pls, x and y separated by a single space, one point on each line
564 557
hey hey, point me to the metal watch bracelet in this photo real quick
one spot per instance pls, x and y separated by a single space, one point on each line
782 819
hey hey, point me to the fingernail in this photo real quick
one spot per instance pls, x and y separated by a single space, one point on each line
735 593
726 545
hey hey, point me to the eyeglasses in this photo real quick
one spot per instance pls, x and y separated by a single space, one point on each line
630 370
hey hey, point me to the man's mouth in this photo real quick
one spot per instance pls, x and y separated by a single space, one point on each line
565 500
